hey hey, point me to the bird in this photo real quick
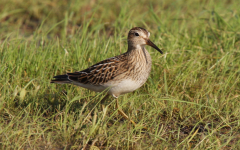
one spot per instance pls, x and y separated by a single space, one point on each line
120 74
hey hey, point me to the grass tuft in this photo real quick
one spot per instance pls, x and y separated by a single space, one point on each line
190 101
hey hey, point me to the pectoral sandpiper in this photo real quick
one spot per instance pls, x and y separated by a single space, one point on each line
120 74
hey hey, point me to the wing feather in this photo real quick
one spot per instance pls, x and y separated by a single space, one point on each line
101 72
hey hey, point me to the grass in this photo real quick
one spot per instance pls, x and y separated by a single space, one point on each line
190 101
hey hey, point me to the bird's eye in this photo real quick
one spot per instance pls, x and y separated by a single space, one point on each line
136 34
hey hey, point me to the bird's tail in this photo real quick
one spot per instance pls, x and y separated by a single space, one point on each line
61 79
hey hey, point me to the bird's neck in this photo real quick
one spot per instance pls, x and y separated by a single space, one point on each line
138 53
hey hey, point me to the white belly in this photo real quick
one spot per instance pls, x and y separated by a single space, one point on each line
125 86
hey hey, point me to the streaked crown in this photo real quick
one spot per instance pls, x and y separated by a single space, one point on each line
138 37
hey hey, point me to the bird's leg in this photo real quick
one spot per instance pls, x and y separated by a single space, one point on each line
123 114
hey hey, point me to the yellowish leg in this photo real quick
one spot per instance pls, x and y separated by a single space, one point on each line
123 114
120 111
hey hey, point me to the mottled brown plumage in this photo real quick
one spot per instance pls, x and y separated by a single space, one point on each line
120 74
101 72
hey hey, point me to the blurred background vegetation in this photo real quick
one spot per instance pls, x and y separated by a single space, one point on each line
190 101
64 17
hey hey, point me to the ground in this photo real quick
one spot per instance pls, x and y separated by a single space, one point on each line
190 101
